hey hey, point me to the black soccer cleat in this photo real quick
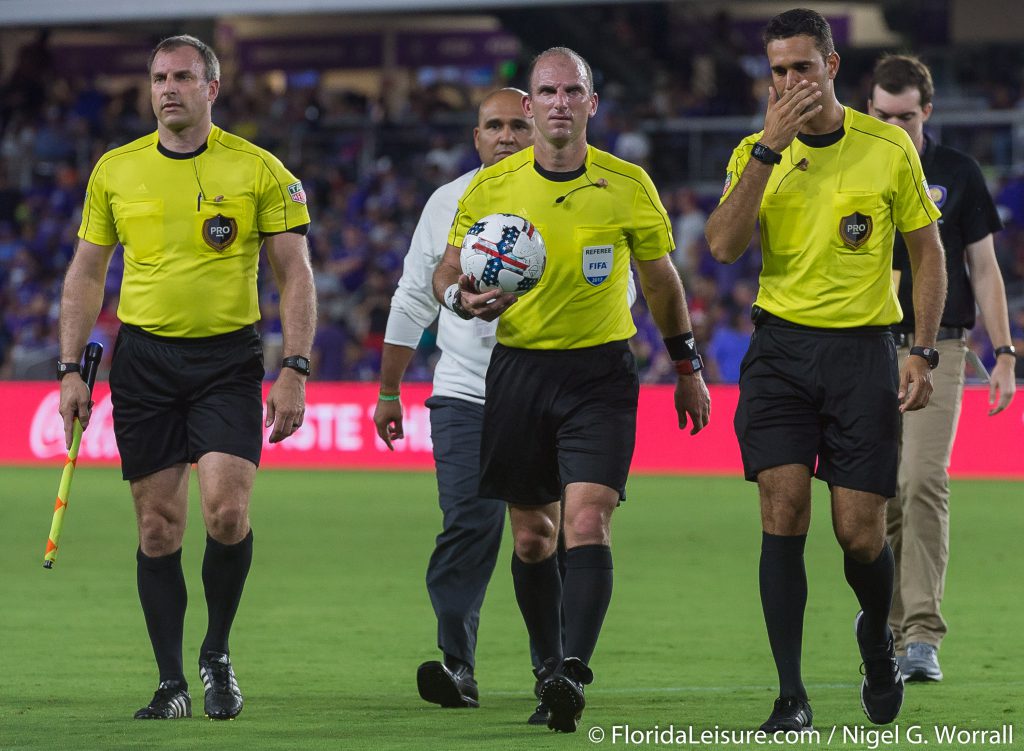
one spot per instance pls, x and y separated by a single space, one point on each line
223 699
790 713
540 715
562 694
439 684
170 702
881 692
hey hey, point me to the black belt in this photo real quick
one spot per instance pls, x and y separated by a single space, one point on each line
944 333
762 317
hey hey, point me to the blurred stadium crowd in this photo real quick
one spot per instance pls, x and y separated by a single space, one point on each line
368 166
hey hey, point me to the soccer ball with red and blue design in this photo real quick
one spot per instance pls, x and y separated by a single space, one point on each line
504 251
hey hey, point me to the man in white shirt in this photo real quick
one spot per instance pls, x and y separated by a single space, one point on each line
467 548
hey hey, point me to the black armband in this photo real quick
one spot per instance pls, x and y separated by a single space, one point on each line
682 348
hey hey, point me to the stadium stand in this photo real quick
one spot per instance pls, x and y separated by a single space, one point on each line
672 98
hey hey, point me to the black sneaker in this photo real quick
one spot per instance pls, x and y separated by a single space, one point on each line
789 713
223 698
562 694
170 702
440 684
881 693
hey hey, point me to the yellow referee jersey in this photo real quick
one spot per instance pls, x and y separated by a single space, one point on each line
190 226
828 220
591 224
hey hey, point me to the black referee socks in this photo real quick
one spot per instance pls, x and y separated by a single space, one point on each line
163 597
783 599
586 592
873 584
539 594
224 570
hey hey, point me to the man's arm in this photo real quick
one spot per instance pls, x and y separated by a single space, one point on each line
289 259
413 308
928 266
667 303
454 290
387 415
80 304
989 291
731 225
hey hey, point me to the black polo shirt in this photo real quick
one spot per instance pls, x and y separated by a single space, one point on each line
968 214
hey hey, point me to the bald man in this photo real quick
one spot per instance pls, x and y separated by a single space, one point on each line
467 548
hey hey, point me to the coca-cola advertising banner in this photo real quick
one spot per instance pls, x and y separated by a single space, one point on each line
338 433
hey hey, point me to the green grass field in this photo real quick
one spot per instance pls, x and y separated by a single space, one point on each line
336 618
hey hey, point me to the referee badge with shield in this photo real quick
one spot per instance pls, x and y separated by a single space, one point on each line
855 229
219 232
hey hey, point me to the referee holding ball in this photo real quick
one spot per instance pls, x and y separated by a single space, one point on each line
562 386
820 389
191 205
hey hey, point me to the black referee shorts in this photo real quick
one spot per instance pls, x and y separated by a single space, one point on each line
553 417
824 398
177 399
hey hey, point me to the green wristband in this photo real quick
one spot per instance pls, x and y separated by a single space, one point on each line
389 397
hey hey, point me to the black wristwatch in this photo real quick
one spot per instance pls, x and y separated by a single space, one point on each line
63 368
296 362
762 153
930 355
1007 349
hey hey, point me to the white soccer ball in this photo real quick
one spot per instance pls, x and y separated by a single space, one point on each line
504 251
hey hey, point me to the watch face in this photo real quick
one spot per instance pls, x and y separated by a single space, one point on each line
930 355
297 362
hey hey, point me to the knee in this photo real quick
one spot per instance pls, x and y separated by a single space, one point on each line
159 534
228 522
588 527
785 519
863 545
536 543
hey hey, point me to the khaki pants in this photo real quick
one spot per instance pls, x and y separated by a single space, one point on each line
918 518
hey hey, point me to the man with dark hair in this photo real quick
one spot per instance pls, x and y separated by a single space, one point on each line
820 390
562 372
918 517
191 205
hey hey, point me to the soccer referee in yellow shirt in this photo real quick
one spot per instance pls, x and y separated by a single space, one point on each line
191 205
562 386
820 390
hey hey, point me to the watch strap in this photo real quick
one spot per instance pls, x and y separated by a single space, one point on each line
930 354
1007 349
762 153
689 366
297 363
453 301
63 368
